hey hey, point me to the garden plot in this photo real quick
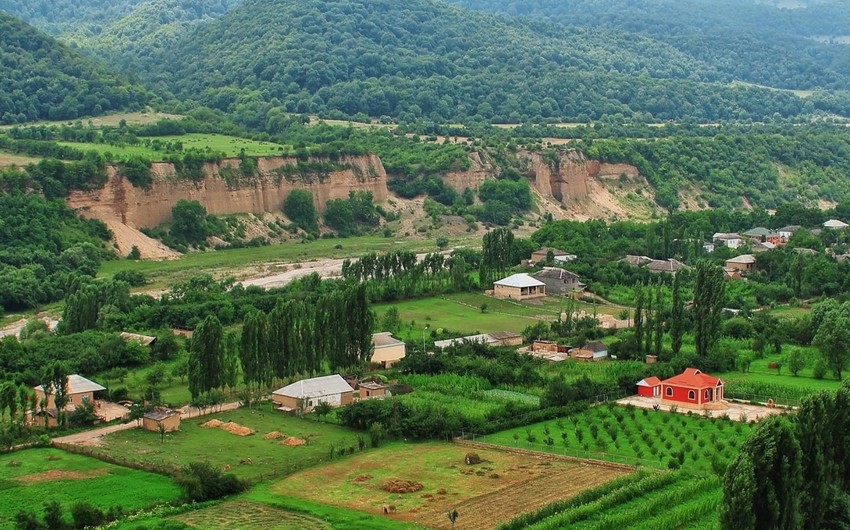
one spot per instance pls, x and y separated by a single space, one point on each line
425 481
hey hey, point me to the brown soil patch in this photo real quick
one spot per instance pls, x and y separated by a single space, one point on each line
401 486
361 478
274 435
292 441
231 427
57 474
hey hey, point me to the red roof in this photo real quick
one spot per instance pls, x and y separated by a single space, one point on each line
693 378
650 381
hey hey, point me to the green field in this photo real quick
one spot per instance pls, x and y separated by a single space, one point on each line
461 313
174 391
32 477
111 120
633 436
226 262
221 448
229 146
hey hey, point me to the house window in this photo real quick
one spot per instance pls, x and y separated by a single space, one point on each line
669 391
691 394
707 392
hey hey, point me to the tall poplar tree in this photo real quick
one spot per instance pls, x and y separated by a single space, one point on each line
254 350
206 357
639 317
708 305
650 321
677 316
496 255
659 318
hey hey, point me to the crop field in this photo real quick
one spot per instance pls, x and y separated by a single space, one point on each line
665 501
111 120
268 457
239 515
461 312
614 433
32 477
499 488
11 159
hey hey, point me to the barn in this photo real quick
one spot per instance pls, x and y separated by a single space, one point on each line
649 387
693 389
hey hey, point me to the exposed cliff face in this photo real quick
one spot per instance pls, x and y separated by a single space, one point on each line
479 170
565 178
121 203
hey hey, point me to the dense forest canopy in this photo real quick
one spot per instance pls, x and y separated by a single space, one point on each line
41 78
426 59
739 39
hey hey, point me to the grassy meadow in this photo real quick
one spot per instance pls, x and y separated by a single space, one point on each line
31 477
221 448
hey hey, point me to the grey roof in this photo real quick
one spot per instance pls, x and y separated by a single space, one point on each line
835 223
519 280
316 387
670 265
144 340
385 340
502 335
556 273
743 258
372 385
77 384
758 231
726 236
595 346
161 414
555 251
636 260
790 228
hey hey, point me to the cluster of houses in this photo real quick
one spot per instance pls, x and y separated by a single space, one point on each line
554 352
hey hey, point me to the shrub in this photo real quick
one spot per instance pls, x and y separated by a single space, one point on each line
201 481
86 515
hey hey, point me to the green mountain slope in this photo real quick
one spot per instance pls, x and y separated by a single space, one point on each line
741 39
423 58
41 78
57 17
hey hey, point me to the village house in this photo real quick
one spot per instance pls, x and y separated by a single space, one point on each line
386 349
742 263
786 232
548 350
693 389
304 395
497 338
649 387
670 266
708 246
730 240
372 390
762 246
759 233
79 390
636 261
169 420
835 224
519 287
592 351
559 281
540 256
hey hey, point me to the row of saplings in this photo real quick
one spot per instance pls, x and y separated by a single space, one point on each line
198 480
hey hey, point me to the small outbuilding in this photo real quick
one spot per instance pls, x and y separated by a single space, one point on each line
169 419
649 387
304 395
519 287
372 389
386 349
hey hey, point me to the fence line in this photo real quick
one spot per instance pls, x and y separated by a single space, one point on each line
763 400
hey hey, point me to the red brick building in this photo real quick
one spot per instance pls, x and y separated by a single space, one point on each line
693 389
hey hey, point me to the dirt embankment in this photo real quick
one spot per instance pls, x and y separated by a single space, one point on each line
125 208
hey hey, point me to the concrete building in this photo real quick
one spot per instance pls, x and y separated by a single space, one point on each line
519 287
387 350
304 395
559 281
169 419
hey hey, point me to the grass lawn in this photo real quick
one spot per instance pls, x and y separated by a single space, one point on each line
461 313
221 448
628 435
225 262
50 474
111 120
501 486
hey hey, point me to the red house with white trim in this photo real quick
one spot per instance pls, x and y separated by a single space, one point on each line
693 389
649 387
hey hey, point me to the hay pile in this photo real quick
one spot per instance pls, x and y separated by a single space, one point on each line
292 441
401 486
274 435
361 478
232 428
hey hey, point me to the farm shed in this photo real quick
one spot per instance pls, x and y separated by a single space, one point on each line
372 389
693 389
386 349
168 418
519 287
305 394
497 338
649 387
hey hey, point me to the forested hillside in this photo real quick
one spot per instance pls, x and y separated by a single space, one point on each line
739 39
41 78
56 17
426 59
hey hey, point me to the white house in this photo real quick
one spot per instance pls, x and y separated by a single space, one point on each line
519 287
835 223
307 393
786 232
731 240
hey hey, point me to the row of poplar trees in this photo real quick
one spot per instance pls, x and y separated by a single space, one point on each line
296 337
793 472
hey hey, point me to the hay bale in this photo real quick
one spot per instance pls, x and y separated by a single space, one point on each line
401 486
212 424
472 459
